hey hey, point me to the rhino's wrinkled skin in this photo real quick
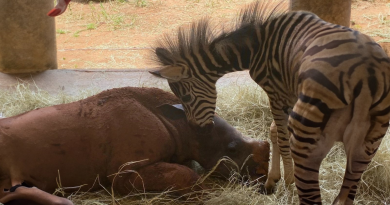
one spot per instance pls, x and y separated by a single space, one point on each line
95 136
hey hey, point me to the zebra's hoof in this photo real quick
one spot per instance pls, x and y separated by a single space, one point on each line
266 191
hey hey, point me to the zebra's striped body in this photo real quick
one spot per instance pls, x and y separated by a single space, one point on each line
325 83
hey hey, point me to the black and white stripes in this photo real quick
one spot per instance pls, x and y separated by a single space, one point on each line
325 83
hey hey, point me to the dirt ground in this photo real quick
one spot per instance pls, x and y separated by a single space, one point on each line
118 34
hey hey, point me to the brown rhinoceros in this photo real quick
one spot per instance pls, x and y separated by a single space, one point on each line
76 142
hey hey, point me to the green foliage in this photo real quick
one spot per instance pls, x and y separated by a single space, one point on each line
77 33
110 15
91 26
141 3
60 31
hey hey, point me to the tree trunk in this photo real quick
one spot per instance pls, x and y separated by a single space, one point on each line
27 36
333 11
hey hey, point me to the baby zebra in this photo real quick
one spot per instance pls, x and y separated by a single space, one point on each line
325 83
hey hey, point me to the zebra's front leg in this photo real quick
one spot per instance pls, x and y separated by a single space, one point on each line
274 171
285 152
280 147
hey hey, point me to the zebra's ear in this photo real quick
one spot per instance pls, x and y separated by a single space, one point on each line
174 73
173 112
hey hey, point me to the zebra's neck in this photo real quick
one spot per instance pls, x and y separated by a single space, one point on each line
271 51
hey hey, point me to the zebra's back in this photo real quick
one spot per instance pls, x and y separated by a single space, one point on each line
341 62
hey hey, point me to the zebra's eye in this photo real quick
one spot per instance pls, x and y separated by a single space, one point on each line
186 98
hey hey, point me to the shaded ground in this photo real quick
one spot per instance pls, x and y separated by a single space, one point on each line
118 33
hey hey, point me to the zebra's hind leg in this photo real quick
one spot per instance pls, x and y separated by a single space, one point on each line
307 162
360 150
274 171
309 147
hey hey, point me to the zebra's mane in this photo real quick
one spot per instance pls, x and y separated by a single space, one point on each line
201 34
260 12
170 48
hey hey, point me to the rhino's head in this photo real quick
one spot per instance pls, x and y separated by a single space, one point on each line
251 156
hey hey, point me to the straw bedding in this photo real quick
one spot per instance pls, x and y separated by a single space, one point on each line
246 108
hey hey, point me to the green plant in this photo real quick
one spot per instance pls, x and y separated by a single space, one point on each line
77 33
141 3
117 21
357 27
104 12
91 26
60 31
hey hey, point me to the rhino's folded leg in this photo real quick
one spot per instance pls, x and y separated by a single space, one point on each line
160 176
32 196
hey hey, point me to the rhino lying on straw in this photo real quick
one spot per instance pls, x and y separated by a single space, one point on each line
138 128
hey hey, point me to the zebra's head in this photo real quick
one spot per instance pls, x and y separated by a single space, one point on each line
190 65
197 96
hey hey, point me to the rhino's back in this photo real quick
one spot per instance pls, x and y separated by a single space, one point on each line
85 138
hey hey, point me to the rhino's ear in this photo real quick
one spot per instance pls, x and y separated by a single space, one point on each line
173 112
174 73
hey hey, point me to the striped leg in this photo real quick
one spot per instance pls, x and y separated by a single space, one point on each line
284 150
280 147
359 155
281 137
308 148
307 162
274 172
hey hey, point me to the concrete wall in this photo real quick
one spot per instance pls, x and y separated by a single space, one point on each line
72 82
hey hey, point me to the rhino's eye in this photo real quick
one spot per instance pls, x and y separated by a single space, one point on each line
186 98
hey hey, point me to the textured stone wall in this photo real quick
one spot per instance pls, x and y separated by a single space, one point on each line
334 11
27 36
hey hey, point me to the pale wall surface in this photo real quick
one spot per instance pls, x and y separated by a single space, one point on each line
75 81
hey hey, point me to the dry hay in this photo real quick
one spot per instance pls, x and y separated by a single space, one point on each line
246 108
24 97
